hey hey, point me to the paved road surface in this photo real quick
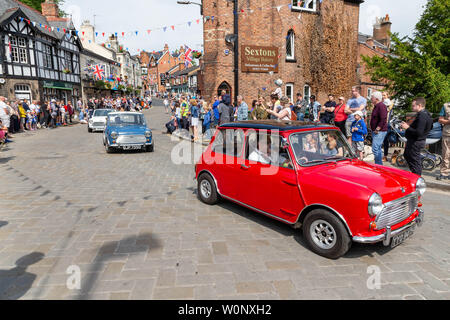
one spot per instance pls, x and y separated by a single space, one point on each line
132 223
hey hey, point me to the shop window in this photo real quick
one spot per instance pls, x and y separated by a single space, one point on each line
289 92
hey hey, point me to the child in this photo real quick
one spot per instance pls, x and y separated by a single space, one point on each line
359 130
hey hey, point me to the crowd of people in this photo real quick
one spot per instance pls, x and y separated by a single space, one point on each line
199 116
23 115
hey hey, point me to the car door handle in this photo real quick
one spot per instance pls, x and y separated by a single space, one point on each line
290 182
243 166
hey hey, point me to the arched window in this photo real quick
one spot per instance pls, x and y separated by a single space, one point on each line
290 45
224 86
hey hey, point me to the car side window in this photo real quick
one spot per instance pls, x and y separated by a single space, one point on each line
229 142
267 149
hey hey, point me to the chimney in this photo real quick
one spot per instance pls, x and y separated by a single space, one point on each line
381 31
50 9
166 47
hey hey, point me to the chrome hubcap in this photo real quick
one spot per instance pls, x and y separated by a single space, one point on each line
205 188
323 234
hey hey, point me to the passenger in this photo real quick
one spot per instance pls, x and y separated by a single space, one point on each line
262 152
331 148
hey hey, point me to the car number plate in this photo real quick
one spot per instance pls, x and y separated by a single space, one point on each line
132 147
400 238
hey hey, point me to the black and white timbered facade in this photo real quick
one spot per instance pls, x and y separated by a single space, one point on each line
37 63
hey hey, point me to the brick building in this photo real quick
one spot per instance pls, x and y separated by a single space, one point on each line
316 42
377 44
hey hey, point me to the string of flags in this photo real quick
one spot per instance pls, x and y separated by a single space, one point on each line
303 4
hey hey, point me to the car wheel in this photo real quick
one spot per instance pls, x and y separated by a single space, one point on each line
207 189
108 148
89 130
428 164
326 234
149 148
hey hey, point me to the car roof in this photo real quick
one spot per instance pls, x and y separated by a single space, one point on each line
286 125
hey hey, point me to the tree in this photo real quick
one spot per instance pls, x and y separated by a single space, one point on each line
419 66
36 4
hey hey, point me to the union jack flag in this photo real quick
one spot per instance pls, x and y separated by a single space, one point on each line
188 56
99 72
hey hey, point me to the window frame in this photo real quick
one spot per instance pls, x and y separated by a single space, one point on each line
291 85
290 38
297 7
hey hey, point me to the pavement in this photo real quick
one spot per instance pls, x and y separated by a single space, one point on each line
78 223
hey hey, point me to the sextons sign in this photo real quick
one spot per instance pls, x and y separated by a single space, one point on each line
259 59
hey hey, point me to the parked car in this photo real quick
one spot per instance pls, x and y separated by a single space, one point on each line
306 175
97 121
127 131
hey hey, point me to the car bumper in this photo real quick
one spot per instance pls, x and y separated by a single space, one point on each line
97 128
389 234
122 146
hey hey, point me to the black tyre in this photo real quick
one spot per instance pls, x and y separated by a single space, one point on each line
326 234
108 148
428 164
438 160
89 130
401 161
207 190
149 148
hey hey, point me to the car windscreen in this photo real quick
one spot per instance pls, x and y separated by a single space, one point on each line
126 119
317 147
101 113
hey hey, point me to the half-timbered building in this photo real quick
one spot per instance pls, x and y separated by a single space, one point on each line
39 55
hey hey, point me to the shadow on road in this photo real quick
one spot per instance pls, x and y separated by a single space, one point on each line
15 282
6 159
3 223
130 245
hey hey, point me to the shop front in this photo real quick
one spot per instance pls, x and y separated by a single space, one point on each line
60 91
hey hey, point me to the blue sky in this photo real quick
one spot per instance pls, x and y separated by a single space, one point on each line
141 15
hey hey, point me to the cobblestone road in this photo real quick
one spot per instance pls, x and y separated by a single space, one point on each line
133 225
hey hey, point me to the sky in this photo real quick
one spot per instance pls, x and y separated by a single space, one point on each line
141 15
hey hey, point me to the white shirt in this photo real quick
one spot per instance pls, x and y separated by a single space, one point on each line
3 107
258 156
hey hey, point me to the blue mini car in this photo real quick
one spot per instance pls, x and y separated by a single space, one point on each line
127 131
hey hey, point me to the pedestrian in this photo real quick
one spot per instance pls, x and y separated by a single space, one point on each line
390 107
300 107
70 111
416 135
378 125
259 111
166 104
23 116
444 119
327 111
340 117
314 109
242 109
184 113
207 120
274 105
285 113
225 109
4 112
359 130
195 114
356 103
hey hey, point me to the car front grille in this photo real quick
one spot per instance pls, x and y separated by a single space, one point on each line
98 124
397 210
123 139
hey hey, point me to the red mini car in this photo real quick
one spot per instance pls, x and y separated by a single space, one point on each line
306 175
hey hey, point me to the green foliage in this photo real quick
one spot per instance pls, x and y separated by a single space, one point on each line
36 4
419 66
100 84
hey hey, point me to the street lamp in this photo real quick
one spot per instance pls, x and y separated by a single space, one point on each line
190 2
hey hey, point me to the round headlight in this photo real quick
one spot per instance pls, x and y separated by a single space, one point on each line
148 134
375 205
114 135
421 186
